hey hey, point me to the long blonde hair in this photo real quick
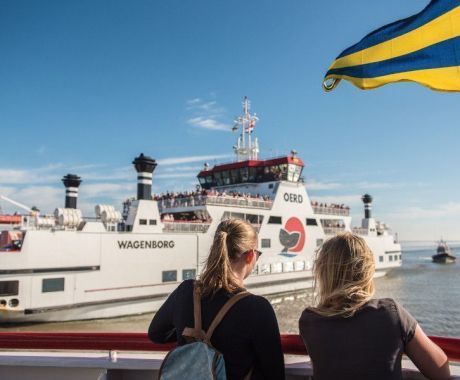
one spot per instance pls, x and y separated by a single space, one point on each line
233 237
343 275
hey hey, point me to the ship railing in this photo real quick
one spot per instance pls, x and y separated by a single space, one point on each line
360 231
333 230
215 200
331 211
114 355
185 226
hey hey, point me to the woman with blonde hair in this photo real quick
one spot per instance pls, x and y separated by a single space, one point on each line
248 336
350 335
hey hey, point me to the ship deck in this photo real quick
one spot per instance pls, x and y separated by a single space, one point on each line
110 356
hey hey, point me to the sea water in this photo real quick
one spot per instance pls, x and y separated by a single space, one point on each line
431 293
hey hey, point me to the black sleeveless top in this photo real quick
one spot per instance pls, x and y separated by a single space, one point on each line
368 345
248 336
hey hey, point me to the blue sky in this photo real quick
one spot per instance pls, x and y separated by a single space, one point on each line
87 85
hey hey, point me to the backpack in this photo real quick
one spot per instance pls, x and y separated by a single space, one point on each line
198 360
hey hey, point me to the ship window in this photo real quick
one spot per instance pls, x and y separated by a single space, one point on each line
265 243
254 219
288 266
9 288
391 258
255 270
235 174
143 222
202 180
399 257
226 177
188 274
264 268
153 222
252 174
298 171
312 222
218 178
129 228
52 285
381 259
299 265
277 267
319 242
244 173
169 275
275 220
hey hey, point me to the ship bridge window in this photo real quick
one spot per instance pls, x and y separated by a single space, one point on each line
226 177
153 222
275 220
143 222
312 222
52 285
244 173
235 176
9 288
218 178
252 174
294 172
169 276
202 180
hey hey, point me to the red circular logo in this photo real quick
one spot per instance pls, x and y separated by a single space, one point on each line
293 236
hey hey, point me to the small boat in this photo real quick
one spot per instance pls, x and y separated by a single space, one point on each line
443 254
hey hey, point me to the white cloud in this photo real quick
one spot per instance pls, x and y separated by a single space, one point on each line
190 159
193 101
451 209
206 115
209 123
22 176
315 185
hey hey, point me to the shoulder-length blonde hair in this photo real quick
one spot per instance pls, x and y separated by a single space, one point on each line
343 275
232 239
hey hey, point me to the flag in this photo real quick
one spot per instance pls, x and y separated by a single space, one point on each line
424 48
251 126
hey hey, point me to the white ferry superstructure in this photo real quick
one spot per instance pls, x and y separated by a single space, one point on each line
67 267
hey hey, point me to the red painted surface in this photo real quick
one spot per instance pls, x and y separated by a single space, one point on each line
253 164
292 344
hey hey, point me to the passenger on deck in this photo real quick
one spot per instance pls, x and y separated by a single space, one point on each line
348 334
248 336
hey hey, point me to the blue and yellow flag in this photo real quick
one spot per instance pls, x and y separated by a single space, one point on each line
424 48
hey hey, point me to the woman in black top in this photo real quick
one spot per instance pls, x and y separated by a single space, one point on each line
248 336
348 335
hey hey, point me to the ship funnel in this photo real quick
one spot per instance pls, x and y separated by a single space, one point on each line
145 166
367 200
71 183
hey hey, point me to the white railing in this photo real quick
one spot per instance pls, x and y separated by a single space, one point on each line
331 211
360 231
333 230
219 200
185 226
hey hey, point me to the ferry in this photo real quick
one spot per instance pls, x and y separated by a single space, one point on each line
65 266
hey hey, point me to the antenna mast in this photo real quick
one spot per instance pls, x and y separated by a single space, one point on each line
246 147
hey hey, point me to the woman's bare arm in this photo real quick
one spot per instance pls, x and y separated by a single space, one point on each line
427 356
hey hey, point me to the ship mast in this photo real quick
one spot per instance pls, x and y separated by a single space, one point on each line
246 148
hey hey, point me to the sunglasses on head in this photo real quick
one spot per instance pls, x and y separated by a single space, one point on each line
259 253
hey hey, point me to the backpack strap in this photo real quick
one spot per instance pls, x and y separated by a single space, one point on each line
223 311
196 333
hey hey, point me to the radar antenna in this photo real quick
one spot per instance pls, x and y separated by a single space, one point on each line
246 148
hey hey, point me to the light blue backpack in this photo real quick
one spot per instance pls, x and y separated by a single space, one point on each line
198 360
